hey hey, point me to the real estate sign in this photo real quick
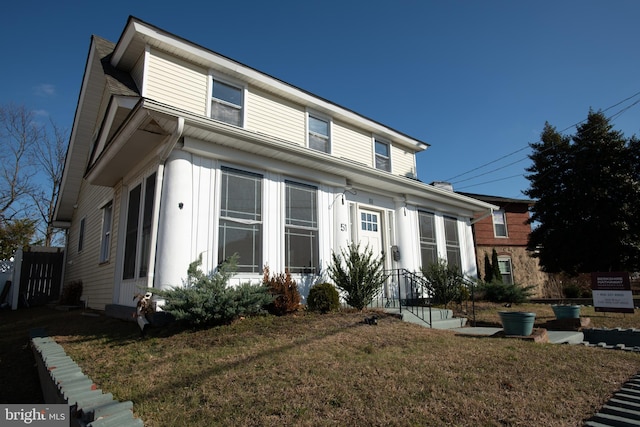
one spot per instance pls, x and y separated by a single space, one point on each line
612 292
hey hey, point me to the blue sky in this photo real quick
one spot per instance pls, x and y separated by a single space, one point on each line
475 79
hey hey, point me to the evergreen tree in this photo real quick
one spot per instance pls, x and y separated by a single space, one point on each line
488 269
495 267
586 187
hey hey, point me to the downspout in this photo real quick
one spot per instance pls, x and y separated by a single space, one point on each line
164 155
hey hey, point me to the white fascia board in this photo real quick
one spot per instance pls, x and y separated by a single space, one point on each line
69 159
207 58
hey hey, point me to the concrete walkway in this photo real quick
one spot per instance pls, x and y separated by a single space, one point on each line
555 337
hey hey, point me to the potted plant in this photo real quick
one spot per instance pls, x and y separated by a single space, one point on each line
566 311
517 322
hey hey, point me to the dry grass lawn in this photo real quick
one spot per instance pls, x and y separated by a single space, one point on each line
321 370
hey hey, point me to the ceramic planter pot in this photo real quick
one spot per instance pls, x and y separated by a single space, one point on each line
517 322
566 311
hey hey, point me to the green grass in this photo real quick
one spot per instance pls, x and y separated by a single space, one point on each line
322 370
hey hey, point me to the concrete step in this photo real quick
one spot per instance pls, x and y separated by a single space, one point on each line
440 319
453 323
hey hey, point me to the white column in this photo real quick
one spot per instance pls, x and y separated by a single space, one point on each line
406 235
342 232
173 254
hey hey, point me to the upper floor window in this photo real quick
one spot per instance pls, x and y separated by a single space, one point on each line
227 103
428 244
319 137
383 158
452 241
240 225
301 228
500 223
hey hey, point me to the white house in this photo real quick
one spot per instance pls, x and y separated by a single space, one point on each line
177 151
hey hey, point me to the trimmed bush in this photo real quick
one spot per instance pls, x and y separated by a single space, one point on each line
285 292
502 292
446 282
71 293
323 297
207 299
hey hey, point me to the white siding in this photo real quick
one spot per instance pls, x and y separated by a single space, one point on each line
268 114
351 143
402 162
97 279
176 82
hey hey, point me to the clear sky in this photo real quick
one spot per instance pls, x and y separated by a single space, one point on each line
475 79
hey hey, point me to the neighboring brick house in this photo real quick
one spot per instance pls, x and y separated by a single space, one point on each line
178 152
507 230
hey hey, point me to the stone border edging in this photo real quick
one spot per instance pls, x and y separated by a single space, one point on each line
62 382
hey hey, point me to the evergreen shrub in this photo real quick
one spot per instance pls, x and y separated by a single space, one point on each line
323 297
208 299
506 293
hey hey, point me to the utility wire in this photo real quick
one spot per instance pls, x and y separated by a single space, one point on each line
611 118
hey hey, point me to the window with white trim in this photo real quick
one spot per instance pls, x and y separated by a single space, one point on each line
504 263
319 134
500 223
301 228
428 243
227 102
105 239
383 156
137 245
452 241
240 228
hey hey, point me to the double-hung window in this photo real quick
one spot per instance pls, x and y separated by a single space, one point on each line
504 263
383 159
301 228
240 228
105 242
137 244
319 134
428 243
227 103
499 223
452 241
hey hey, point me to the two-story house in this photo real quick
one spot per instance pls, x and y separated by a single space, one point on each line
178 151
507 231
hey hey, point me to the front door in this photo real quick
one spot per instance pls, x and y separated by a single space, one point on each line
370 232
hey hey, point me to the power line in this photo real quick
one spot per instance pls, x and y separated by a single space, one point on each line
611 118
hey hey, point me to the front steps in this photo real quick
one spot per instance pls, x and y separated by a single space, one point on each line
439 318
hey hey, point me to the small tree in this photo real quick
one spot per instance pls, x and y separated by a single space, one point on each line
495 266
358 274
445 282
323 297
488 269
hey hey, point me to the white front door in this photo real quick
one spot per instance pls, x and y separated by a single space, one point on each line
370 232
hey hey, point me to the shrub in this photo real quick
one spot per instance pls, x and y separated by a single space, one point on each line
446 282
509 293
207 299
359 275
323 297
71 293
283 290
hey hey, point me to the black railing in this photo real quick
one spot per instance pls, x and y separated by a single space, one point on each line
405 290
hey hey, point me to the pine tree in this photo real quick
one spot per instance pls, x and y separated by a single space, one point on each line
586 189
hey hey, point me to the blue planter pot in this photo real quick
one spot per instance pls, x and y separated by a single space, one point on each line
566 311
517 322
